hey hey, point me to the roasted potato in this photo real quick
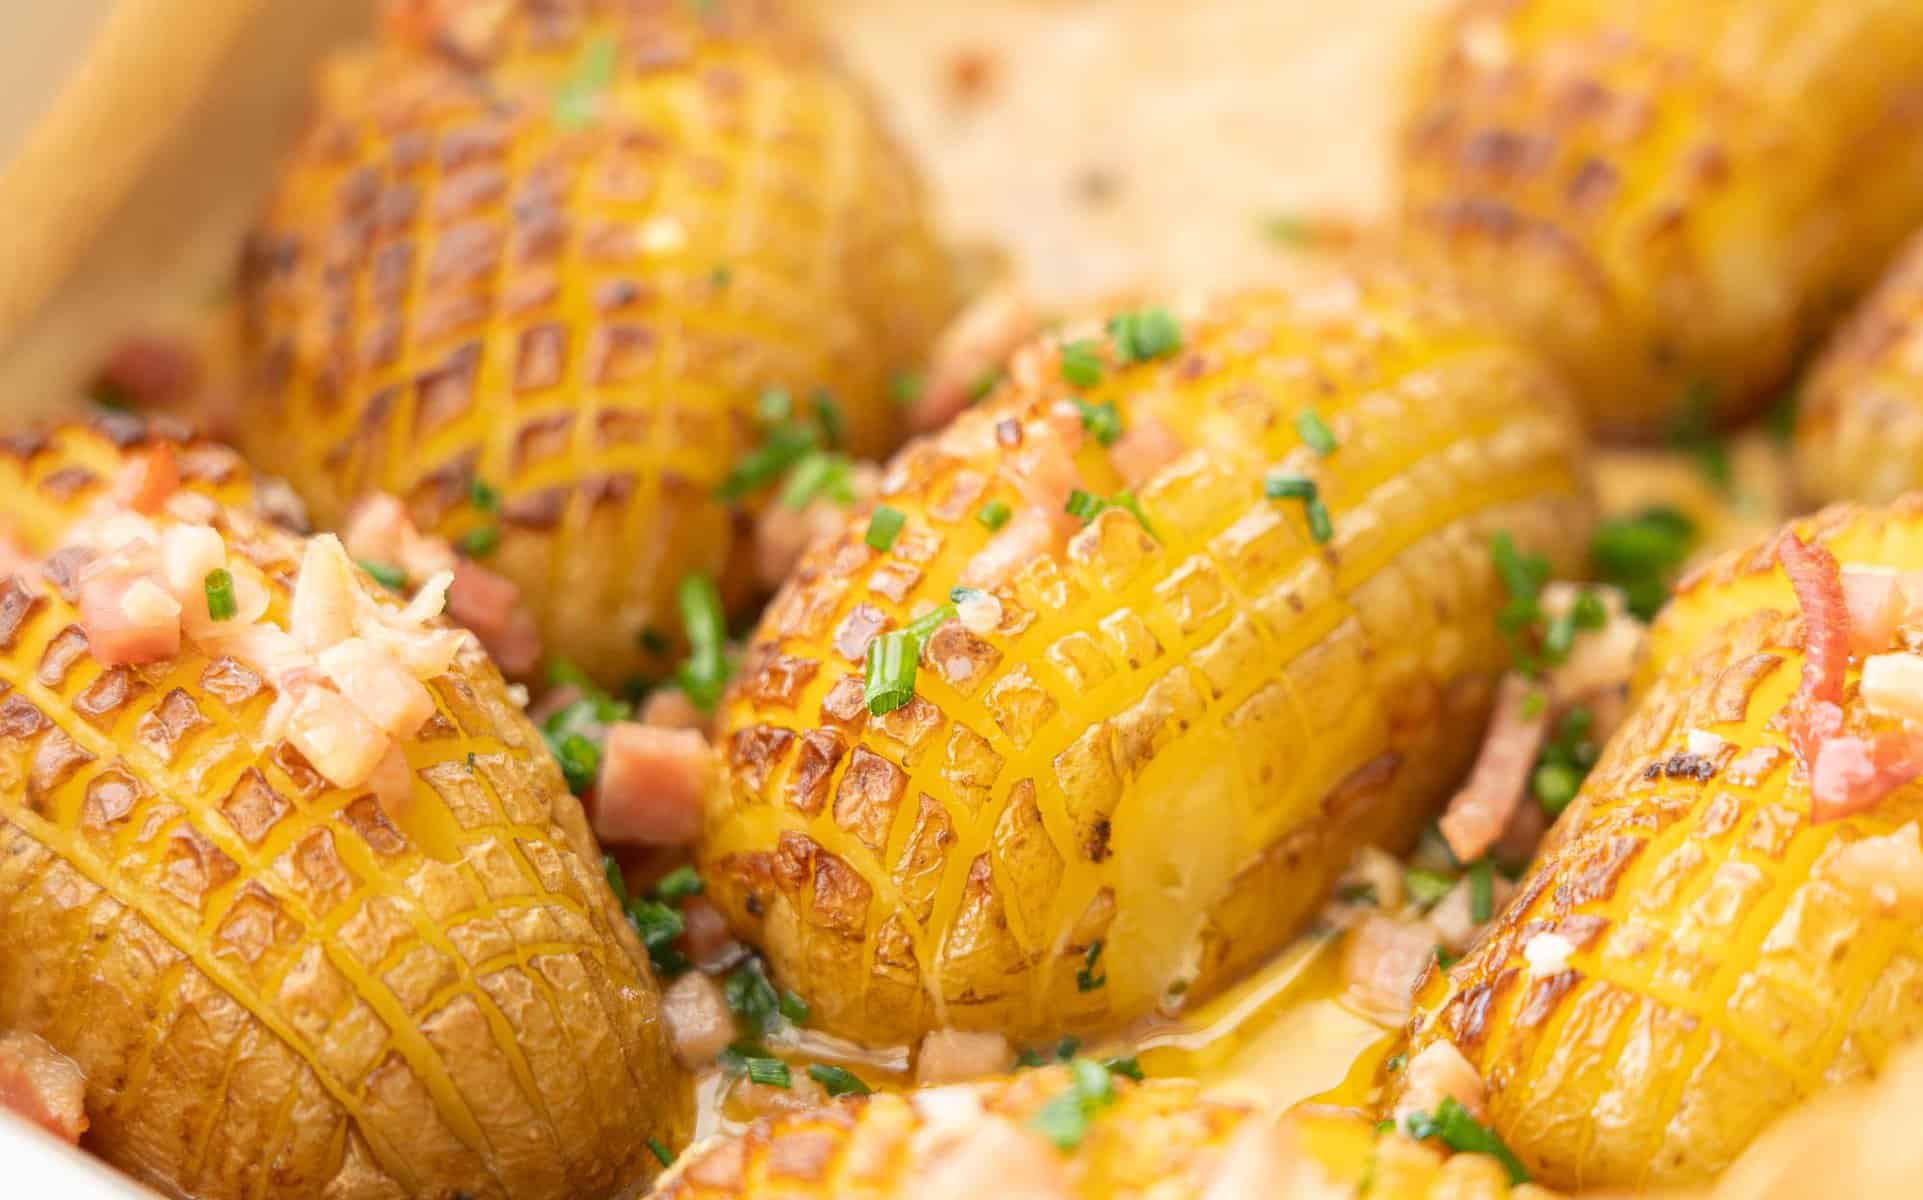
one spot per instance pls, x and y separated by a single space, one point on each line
1142 744
1670 199
532 267
1163 1138
1859 421
275 985
1694 951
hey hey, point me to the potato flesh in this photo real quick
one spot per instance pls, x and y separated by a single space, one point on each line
1169 745
451 284
273 987
1859 421
1164 1138
1668 198
1719 974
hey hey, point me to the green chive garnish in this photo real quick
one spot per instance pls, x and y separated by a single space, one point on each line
904 387
884 526
1082 364
774 406
1281 485
988 382
1315 432
677 885
705 672
660 1152
1455 1128
390 577
751 998
1482 889
1141 336
579 96
1065 1119
1103 421
794 1008
479 542
994 514
219 585
771 1072
1086 979
1084 505
1555 785
1426 887
483 495
838 1081
818 474
890 672
1126 1066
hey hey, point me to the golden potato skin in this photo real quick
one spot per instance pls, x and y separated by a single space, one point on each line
273 988
1859 421
1171 743
1668 198
1162 1139
1719 973
459 279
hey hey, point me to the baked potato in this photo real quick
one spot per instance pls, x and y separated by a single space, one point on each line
1084 715
297 950
1670 199
1113 1139
1724 921
1859 422
540 271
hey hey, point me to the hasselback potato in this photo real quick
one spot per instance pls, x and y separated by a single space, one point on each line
1163 1139
560 251
1142 742
416 985
1859 422
1669 198
1708 935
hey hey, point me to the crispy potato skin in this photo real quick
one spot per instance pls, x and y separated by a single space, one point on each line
1859 423
1666 197
1162 1139
272 987
1719 973
1171 743
459 280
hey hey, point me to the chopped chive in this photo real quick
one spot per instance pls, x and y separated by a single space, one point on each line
770 1072
1028 1056
890 672
1555 785
1315 432
1283 485
751 998
905 387
479 542
1086 979
884 526
1396 1063
652 640
987 382
1482 890
721 276
658 925
794 1008
660 1152
838 1081
1358 893
219 586
1455 1128
1533 703
1124 1065
483 495
1066 1047
1102 421
1148 334
827 417
390 577
817 474
1127 502
924 626
579 96
704 673
1639 554
1082 365
994 514
1426 887
617 882
580 761
961 595
1693 432
1065 1119
1083 505
774 406
1287 230
786 444
677 885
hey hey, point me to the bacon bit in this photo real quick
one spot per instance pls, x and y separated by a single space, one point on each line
670 708
1437 1073
1522 835
1852 774
767 1100
699 1023
393 782
706 939
1144 448
377 685
489 604
379 529
1878 600
129 619
150 372
1816 710
989 1156
322 613
1452 918
1381 960
42 1085
653 782
957 1056
973 346
1888 869
145 483
333 735
1478 814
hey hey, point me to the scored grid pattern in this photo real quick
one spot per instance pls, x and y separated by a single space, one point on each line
450 286
439 1001
1720 973
1172 746
1648 190
1859 420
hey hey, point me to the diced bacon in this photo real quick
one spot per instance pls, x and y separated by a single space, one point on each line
1852 773
1144 448
1026 537
1381 960
699 1023
670 708
957 1056
706 939
378 685
1522 835
42 1085
393 782
1892 685
989 1156
145 483
1878 600
1478 814
151 372
971 349
1887 868
378 529
767 1099
1815 710
322 613
652 785
331 734
1437 1073
489 604
128 618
